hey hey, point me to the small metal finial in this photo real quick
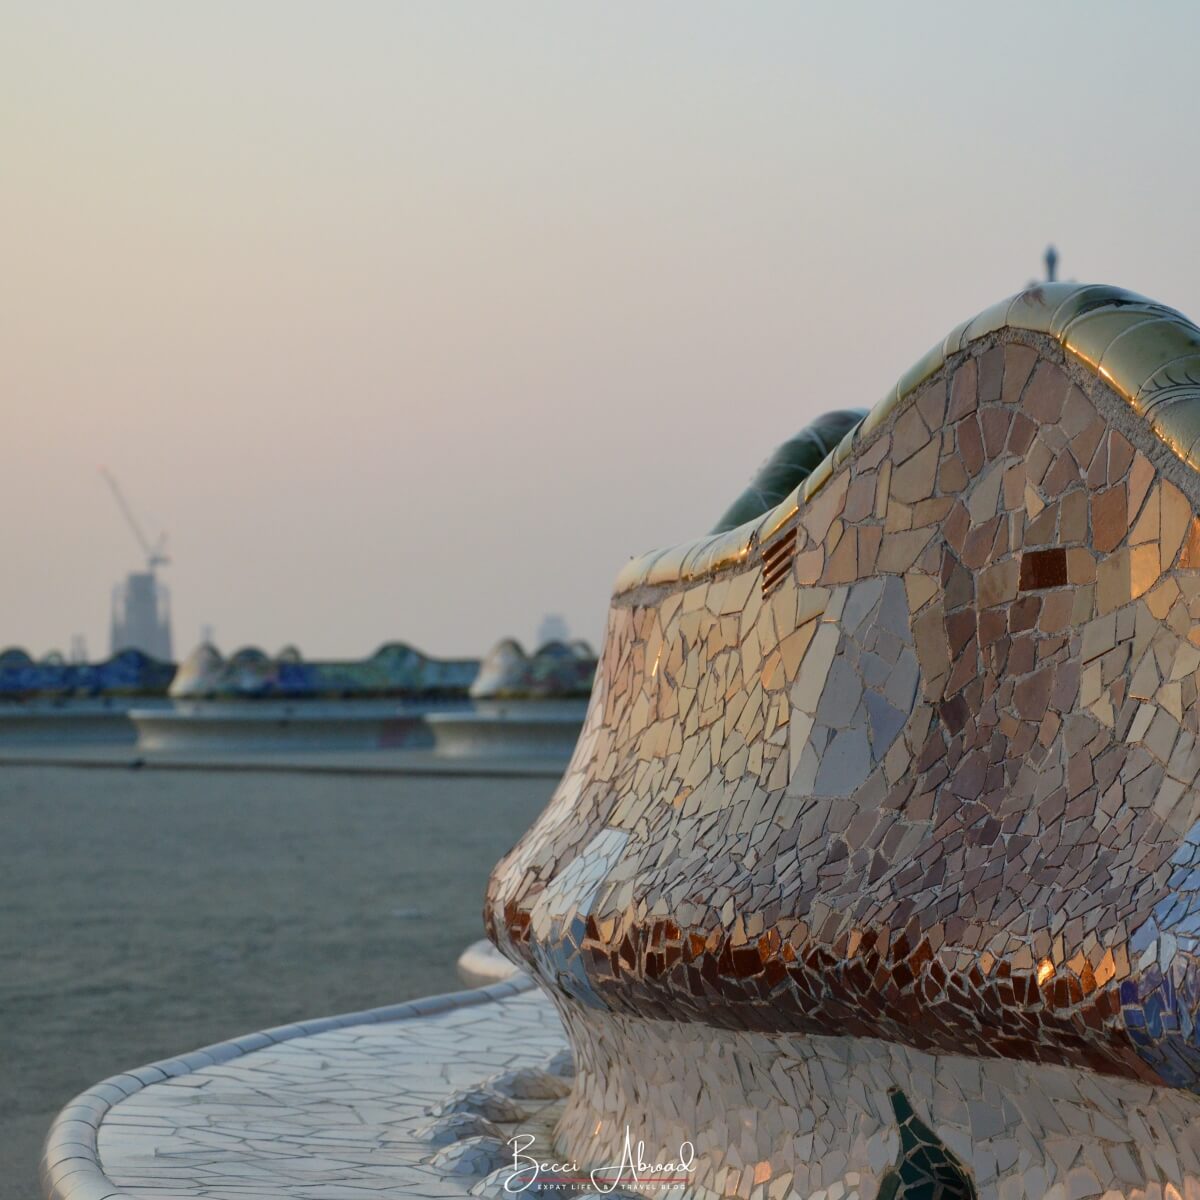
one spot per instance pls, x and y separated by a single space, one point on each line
1051 264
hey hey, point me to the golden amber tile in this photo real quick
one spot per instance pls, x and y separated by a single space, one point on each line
899 551
989 321
1033 501
1177 422
818 479
1144 569
633 573
1141 476
809 565
1172 380
727 550
898 517
1138 355
1145 528
1034 308
842 566
1189 557
1081 300
845 447
738 592
920 589
793 647
879 414
1162 597
953 341
774 520
1081 566
667 566
1087 338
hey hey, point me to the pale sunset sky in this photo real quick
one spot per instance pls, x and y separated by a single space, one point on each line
415 320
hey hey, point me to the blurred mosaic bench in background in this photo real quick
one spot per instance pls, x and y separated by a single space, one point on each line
50 700
875 873
510 704
531 704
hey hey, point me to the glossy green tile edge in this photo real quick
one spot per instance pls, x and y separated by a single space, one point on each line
1147 353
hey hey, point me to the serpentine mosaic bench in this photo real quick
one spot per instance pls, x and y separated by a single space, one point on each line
876 871
875 874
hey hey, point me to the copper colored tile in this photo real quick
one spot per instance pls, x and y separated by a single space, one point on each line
970 444
1110 522
1144 569
914 480
1141 476
1037 462
1062 473
991 373
1176 514
1189 558
1046 393
931 404
1056 612
909 435
1120 455
1021 433
998 583
1081 565
1042 530
860 499
1073 518
1085 443
963 391
1018 366
952 477
996 424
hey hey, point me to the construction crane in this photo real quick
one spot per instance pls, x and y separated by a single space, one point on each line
156 554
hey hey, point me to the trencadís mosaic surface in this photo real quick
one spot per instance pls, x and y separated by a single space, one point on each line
876 871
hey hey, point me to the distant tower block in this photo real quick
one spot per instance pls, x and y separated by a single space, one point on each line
141 606
141 616
552 629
